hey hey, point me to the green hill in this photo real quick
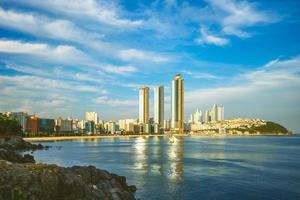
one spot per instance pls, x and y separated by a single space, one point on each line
271 128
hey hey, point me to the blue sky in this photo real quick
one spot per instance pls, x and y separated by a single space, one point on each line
62 58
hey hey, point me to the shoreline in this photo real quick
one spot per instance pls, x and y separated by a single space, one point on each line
58 138
61 138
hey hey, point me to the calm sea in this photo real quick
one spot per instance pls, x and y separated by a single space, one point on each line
191 167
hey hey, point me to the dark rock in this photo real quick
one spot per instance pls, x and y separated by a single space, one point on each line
21 179
42 181
18 144
14 157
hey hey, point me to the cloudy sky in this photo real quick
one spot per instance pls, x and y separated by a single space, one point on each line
65 57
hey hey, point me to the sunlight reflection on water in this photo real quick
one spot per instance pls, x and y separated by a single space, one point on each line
189 167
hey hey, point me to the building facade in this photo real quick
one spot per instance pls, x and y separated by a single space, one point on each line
159 105
32 124
91 116
197 117
20 117
46 125
63 125
144 105
177 104
220 113
167 125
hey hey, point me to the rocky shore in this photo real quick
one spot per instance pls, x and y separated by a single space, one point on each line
22 178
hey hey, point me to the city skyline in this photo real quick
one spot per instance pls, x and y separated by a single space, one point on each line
56 60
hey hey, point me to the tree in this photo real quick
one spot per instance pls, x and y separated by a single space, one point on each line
9 127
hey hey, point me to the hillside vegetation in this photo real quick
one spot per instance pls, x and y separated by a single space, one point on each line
9 127
271 127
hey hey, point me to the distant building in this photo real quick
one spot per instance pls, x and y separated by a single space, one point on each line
46 125
81 126
89 127
128 125
122 124
177 104
144 105
217 113
159 105
91 116
20 117
32 124
167 125
112 127
214 113
147 128
63 125
207 116
220 113
196 118
157 128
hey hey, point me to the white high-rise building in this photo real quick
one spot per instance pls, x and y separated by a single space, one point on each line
127 124
196 118
220 113
144 105
166 125
91 116
206 117
214 113
159 105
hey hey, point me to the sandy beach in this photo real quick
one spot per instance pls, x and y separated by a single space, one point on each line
56 138
59 138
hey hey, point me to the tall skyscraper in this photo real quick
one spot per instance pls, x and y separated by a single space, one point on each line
144 105
91 116
159 105
177 104
207 116
214 113
196 118
220 113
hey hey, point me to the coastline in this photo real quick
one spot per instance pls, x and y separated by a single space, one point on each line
62 138
22 178
58 138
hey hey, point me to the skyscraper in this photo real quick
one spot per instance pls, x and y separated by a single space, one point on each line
177 104
91 116
214 113
144 105
159 105
220 113
196 118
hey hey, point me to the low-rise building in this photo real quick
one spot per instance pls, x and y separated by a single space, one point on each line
63 125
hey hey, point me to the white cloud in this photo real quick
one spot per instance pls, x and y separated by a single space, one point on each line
104 100
208 38
43 26
121 70
201 75
134 54
237 15
34 83
61 53
100 11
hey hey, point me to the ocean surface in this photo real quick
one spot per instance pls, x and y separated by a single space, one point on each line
191 167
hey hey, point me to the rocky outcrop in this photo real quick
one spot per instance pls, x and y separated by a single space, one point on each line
22 179
47 182
18 144
14 157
